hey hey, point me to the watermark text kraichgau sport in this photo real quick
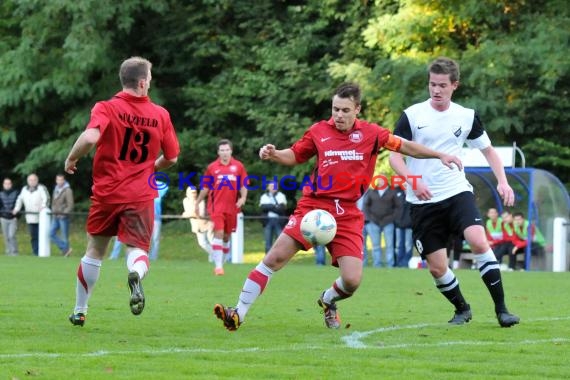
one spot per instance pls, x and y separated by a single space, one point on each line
340 181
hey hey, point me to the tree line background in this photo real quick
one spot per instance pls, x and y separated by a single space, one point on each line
259 71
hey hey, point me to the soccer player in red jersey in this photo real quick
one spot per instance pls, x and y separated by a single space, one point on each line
223 185
346 149
129 132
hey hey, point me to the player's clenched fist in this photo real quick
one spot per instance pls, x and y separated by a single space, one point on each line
267 151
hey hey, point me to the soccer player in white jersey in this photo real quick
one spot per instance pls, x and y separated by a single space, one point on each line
443 203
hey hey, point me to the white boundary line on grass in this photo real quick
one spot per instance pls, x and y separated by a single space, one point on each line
173 350
45 355
352 341
463 343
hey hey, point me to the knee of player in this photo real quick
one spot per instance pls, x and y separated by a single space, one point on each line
276 258
437 272
479 245
437 268
352 281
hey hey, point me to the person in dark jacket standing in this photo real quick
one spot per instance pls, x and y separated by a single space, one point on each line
8 197
403 224
273 204
360 205
61 206
380 208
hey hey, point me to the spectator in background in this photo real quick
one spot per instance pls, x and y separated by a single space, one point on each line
521 227
499 233
380 207
116 250
494 225
34 197
403 224
162 188
226 195
61 206
320 254
273 204
9 222
200 225
456 246
360 206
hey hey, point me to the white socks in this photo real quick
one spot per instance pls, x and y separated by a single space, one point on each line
87 276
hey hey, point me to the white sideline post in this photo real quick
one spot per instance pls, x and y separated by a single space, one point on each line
236 241
559 236
43 231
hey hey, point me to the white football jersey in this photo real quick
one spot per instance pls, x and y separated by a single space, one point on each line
446 132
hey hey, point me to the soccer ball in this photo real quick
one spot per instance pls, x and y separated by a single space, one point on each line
318 227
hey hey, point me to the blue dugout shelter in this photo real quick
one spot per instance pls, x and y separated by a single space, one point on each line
539 195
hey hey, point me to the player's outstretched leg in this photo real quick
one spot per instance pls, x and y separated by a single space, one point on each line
252 288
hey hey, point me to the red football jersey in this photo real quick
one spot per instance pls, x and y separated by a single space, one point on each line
224 182
133 132
345 160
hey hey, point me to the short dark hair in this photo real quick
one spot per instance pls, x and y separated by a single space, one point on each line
447 66
348 91
133 70
518 214
225 142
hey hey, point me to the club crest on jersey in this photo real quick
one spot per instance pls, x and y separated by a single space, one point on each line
456 130
233 168
292 222
355 137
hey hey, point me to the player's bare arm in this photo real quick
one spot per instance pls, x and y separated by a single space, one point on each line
410 148
282 156
243 197
84 143
164 163
503 187
419 188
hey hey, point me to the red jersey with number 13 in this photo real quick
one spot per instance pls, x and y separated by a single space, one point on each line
134 131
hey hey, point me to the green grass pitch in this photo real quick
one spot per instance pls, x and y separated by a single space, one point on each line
394 327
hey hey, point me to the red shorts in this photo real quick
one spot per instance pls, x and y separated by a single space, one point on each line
224 221
348 240
132 223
